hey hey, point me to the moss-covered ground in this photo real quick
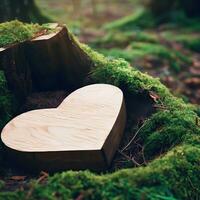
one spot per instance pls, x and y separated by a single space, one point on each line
169 139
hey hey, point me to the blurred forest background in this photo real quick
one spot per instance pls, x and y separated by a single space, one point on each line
158 37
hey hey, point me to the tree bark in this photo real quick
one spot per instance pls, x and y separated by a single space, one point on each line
23 10
17 70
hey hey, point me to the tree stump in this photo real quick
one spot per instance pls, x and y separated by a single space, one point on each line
49 62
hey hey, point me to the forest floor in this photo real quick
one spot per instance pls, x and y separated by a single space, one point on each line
85 15
170 54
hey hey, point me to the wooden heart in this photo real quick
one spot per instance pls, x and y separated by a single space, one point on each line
82 133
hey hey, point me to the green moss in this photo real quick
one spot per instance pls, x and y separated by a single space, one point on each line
192 44
15 31
174 58
128 55
119 72
188 40
122 39
166 129
174 176
140 19
5 102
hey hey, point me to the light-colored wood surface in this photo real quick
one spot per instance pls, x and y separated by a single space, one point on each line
91 119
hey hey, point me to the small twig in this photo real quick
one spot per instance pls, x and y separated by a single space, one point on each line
43 176
161 107
133 138
191 184
129 158
135 162
123 154
144 160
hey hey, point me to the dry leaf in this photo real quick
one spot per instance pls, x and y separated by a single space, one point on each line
43 176
154 96
193 82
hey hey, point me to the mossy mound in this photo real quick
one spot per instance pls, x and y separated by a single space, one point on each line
174 176
170 139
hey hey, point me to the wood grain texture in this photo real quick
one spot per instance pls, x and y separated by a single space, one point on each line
82 133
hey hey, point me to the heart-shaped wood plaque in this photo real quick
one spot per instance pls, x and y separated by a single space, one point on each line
82 133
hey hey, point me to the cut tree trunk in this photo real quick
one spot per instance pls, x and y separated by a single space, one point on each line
49 62
56 60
